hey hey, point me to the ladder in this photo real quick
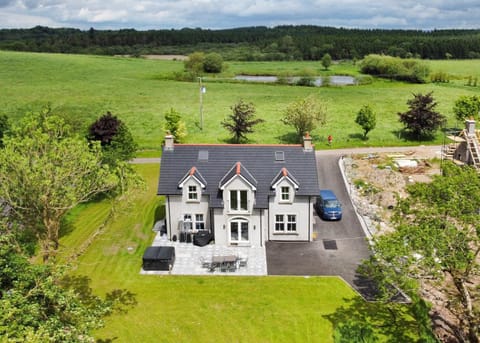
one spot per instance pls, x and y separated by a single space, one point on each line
473 149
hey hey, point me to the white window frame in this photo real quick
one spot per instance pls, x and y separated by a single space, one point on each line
239 222
194 220
291 223
287 194
238 208
192 193
279 223
199 220
287 224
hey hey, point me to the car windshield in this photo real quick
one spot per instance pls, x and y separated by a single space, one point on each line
332 203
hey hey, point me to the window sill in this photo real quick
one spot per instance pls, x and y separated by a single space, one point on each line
285 202
240 244
193 201
286 233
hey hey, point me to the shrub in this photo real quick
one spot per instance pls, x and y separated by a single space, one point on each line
410 70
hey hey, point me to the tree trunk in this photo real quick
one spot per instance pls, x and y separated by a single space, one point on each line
468 307
52 227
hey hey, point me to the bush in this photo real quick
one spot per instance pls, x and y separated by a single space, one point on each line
306 81
213 63
410 70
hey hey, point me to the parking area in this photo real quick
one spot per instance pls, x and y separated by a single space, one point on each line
340 246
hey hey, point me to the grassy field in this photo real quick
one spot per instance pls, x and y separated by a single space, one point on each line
85 87
208 309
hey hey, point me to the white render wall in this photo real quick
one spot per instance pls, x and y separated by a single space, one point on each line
178 205
223 216
256 226
300 206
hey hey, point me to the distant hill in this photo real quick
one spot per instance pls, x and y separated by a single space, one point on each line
250 43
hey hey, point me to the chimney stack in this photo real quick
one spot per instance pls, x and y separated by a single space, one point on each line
168 143
470 126
307 142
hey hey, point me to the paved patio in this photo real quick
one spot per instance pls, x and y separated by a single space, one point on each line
187 258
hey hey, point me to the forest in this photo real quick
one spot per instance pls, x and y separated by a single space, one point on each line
281 43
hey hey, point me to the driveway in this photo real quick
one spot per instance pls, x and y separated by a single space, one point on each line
340 246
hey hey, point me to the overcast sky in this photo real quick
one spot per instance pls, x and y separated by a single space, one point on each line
219 14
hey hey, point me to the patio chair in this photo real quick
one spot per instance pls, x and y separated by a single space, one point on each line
243 261
204 262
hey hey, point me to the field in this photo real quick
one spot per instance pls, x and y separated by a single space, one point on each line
208 309
139 92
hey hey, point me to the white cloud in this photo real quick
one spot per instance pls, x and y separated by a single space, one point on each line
165 14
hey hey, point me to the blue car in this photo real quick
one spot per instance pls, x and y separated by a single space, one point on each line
327 205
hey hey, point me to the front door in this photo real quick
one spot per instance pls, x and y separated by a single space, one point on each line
239 231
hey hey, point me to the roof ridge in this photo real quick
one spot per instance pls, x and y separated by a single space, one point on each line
238 145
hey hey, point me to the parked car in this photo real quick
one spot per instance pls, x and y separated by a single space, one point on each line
327 205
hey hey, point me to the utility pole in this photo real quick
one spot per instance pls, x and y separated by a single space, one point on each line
202 91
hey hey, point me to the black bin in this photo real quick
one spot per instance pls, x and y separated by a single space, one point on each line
158 258
202 238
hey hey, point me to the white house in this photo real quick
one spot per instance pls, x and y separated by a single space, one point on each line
242 194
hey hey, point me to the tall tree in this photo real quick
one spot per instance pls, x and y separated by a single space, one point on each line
36 308
304 115
326 61
366 119
115 138
421 120
467 106
40 303
241 121
175 125
45 171
437 243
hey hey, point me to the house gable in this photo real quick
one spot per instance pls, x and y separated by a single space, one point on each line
238 171
285 186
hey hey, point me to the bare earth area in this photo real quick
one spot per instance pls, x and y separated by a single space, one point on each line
376 179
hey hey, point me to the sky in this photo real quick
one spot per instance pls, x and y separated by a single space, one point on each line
221 14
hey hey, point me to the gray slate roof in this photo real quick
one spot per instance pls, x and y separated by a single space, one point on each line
258 160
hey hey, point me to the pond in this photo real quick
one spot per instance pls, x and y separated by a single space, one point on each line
336 80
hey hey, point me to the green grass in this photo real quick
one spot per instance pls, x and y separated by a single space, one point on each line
85 87
208 309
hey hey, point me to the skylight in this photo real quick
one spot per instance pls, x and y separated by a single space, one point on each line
203 155
279 156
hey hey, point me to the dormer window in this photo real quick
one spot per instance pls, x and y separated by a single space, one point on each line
238 200
285 192
192 193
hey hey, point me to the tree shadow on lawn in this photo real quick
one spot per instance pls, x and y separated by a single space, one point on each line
362 320
358 137
289 138
407 136
119 300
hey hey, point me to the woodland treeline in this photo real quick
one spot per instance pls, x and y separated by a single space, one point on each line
250 43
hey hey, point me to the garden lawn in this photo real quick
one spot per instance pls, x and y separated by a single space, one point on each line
139 92
211 308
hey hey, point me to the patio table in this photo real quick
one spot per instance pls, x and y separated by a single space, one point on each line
224 262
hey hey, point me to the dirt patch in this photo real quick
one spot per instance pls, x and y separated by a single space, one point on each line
166 57
111 250
137 229
131 247
377 183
